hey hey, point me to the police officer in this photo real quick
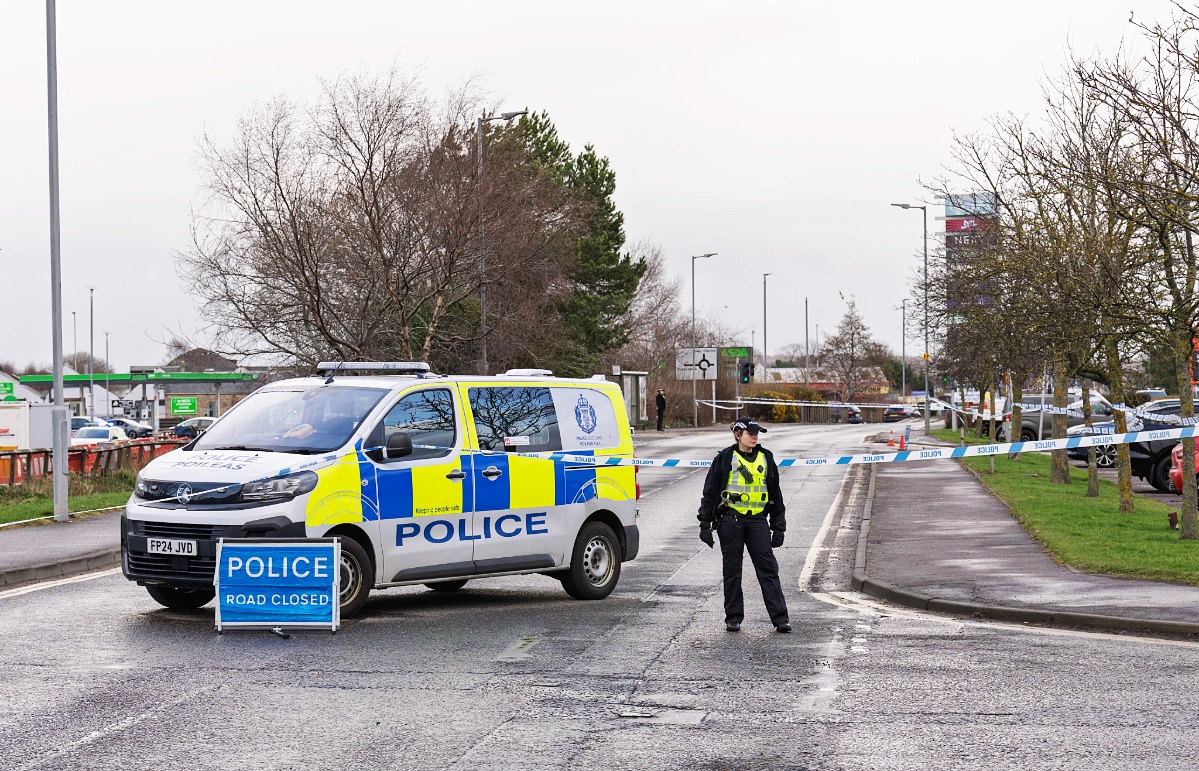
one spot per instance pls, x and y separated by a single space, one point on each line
660 403
744 503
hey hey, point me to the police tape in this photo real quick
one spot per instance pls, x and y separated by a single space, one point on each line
903 456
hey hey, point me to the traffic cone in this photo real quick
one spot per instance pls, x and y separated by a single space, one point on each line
901 443
891 441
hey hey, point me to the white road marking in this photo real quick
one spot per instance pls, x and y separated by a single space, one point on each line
57 582
115 728
859 603
809 565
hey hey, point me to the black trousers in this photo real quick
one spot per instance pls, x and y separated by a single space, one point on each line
661 417
737 535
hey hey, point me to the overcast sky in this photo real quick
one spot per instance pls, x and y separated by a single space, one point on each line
775 134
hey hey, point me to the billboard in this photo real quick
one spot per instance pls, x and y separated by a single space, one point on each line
960 205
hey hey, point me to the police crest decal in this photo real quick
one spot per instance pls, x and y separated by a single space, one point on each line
585 415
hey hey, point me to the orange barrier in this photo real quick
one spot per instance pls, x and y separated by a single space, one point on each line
22 465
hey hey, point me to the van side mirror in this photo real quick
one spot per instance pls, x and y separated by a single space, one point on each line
399 445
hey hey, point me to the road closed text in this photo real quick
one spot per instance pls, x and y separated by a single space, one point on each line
277 600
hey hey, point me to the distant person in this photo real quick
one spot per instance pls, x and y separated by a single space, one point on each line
660 402
743 501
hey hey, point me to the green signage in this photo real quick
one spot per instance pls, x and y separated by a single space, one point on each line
6 388
148 377
734 353
183 405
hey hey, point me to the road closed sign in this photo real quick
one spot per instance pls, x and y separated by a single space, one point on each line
285 583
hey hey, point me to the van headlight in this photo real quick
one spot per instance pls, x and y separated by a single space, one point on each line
282 487
140 488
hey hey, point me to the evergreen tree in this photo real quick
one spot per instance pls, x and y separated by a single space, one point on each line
603 279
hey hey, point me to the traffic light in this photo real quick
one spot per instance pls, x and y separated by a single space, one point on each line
745 372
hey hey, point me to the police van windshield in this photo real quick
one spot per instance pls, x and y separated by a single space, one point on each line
312 421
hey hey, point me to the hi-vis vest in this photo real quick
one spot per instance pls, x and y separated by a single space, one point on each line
747 496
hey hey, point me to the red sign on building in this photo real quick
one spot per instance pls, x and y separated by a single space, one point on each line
964 224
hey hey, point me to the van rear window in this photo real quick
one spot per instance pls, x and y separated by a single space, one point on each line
515 419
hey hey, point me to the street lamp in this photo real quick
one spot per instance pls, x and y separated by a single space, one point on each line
903 355
91 355
694 393
765 350
927 396
507 116
107 369
58 413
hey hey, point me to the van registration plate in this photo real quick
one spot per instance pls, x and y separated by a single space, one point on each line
171 546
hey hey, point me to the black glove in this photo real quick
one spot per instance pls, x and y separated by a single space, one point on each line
776 539
705 535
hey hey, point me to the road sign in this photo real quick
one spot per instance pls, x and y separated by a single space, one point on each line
262 583
695 364
183 405
918 394
730 355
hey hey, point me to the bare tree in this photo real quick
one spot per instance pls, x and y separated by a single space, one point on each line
850 354
349 230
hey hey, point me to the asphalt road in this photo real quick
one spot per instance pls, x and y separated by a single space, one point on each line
512 674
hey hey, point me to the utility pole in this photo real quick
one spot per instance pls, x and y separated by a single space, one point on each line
903 356
807 363
91 356
107 369
482 250
927 396
58 414
765 350
694 392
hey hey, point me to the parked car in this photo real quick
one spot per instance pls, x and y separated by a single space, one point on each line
853 414
133 428
79 422
1032 427
193 427
1149 460
894 413
98 435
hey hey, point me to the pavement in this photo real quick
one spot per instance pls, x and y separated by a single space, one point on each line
931 537
58 549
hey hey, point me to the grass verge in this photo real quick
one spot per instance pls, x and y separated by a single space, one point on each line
35 499
1089 533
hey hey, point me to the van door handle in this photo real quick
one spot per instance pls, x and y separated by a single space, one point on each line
491 472
456 474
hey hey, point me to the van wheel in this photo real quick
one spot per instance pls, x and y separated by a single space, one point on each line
594 563
448 586
1028 435
180 599
356 577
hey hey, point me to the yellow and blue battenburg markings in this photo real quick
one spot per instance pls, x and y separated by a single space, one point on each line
352 489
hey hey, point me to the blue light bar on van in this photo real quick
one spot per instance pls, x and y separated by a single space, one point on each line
359 367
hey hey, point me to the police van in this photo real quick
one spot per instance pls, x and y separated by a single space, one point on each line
426 479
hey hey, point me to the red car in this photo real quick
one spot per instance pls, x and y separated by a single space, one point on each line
1176 468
